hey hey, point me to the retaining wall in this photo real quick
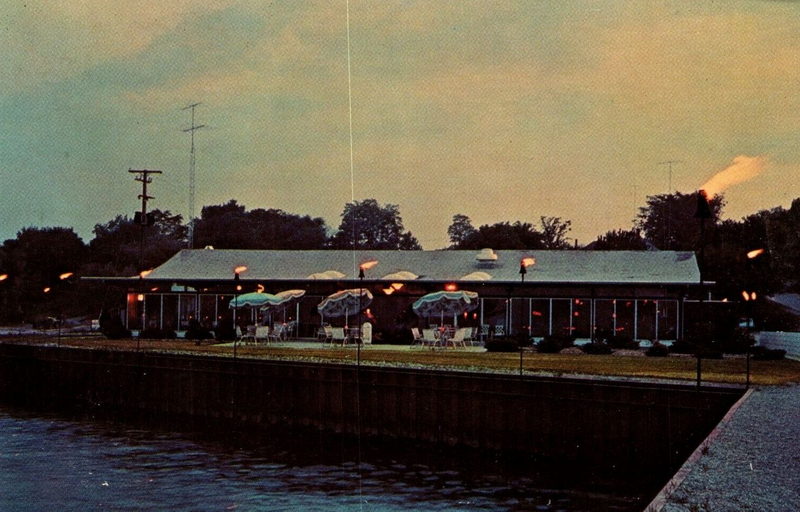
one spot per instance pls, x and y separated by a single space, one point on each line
610 424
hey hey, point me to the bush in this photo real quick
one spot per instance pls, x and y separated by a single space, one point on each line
738 343
224 333
501 345
622 341
197 332
154 333
596 348
113 329
767 354
552 344
657 350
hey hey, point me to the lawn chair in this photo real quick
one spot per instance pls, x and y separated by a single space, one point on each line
325 333
430 338
499 330
338 336
276 334
418 340
458 337
262 333
366 333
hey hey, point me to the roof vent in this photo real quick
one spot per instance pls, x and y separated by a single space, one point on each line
486 256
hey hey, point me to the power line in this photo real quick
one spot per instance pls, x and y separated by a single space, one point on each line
193 128
143 176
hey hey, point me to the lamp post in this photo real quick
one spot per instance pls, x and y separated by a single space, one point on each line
749 299
523 269
702 213
361 268
236 289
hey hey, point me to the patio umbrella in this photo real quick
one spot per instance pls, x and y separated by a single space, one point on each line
345 302
253 299
285 298
444 302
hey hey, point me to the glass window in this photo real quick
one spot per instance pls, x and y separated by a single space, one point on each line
604 318
562 311
540 317
625 317
667 319
581 318
646 329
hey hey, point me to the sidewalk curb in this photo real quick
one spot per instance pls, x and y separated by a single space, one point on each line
661 498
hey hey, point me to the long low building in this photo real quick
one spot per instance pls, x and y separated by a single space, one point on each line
638 294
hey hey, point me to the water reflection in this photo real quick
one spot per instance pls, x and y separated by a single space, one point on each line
47 459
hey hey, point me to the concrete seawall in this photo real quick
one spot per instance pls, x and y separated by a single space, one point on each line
615 425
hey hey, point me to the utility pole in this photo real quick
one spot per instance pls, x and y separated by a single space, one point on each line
143 176
191 131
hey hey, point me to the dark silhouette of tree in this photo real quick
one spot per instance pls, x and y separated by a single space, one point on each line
504 235
554 232
668 222
115 247
460 230
619 240
372 226
231 226
34 261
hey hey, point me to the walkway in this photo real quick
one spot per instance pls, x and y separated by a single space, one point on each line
750 462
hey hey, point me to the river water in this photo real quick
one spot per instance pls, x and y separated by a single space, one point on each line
55 462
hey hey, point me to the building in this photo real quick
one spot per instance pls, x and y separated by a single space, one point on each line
639 294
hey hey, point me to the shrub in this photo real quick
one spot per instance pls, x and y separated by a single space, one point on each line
767 354
738 343
501 345
622 341
197 332
596 348
154 333
113 329
553 344
657 350
224 333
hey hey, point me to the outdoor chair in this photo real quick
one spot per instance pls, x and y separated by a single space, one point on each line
499 330
458 337
325 333
417 338
262 333
429 338
484 332
366 333
277 332
338 336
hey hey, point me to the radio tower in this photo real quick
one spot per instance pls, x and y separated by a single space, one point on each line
191 131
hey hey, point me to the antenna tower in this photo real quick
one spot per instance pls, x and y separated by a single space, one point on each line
191 131
668 242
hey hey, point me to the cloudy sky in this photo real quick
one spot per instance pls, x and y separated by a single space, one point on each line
501 110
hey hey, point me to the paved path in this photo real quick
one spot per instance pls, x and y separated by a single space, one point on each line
751 462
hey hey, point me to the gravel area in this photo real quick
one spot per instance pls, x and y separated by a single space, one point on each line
753 461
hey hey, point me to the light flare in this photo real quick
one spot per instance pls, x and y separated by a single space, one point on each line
368 264
527 262
755 253
742 169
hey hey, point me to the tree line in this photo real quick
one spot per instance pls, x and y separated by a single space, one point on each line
39 257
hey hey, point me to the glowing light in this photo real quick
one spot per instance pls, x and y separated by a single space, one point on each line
753 296
3 277
742 169
66 275
239 269
145 273
397 286
527 262
536 313
260 288
154 289
368 264
46 290
745 295
238 287
451 287
140 297
388 291
755 253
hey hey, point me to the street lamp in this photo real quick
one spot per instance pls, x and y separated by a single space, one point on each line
523 269
361 268
749 299
237 288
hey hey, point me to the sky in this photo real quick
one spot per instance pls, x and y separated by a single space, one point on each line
500 110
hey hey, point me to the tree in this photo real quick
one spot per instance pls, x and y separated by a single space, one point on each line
503 235
368 225
460 230
224 226
668 221
554 232
619 240
276 229
116 244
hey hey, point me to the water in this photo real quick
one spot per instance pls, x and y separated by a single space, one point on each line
50 462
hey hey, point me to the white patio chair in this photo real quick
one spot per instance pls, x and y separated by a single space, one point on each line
430 338
338 335
325 333
457 339
499 330
366 333
418 340
276 333
262 333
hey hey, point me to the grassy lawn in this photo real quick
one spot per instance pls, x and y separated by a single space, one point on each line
730 370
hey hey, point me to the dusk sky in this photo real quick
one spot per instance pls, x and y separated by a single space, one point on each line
499 110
